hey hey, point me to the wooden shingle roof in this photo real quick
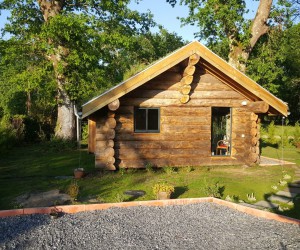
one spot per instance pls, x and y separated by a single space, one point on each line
216 65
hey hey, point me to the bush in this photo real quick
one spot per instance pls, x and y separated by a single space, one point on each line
214 190
296 140
8 137
59 144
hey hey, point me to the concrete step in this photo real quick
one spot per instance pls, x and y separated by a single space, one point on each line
266 204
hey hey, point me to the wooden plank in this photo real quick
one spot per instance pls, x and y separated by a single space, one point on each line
216 95
186 120
185 128
92 136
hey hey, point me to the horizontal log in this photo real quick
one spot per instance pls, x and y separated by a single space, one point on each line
129 153
258 107
215 95
161 85
144 102
185 128
189 70
168 75
185 111
199 161
186 120
125 110
162 144
208 86
210 79
253 157
125 118
161 137
163 94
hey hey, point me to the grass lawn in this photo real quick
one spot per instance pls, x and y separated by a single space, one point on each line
34 168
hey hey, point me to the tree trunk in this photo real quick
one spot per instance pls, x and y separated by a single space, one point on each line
65 124
239 54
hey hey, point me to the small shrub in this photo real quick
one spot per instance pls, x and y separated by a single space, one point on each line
60 145
119 198
189 169
282 182
287 177
169 170
163 187
8 137
274 187
214 190
149 167
122 171
296 135
73 190
251 197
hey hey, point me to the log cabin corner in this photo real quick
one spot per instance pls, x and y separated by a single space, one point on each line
189 108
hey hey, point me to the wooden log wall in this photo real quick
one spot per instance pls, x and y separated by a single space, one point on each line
185 127
104 143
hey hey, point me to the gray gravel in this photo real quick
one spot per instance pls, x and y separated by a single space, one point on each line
198 226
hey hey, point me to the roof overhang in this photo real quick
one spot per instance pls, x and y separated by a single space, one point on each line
209 59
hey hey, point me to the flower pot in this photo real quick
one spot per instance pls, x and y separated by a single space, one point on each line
163 195
78 174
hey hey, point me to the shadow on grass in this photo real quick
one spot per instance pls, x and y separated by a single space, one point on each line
179 191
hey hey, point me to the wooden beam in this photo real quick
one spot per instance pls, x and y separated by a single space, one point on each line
259 107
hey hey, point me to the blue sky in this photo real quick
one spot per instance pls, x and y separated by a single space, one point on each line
165 15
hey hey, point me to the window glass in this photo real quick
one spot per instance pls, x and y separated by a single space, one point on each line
152 119
146 120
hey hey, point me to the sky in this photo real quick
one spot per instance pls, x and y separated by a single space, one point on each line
165 15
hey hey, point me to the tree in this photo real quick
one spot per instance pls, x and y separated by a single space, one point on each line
80 39
224 21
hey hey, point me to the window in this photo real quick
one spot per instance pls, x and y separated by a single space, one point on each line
146 120
220 131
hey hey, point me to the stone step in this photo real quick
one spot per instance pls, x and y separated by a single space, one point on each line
294 190
286 194
279 198
294 184
266 204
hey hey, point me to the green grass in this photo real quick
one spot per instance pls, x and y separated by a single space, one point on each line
34 168
291 154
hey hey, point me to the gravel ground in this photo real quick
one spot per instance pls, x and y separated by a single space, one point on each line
197 226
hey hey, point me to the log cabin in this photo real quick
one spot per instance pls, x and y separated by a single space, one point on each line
190 108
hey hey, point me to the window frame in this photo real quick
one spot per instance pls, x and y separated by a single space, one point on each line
146 130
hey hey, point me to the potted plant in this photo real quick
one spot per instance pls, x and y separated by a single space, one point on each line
163 191
78 173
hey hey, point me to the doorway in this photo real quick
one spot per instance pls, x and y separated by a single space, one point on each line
221 131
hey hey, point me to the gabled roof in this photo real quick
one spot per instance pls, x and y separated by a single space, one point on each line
220 68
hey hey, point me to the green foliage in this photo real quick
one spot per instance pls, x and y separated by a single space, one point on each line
73 190
296 140
8 137
60 145
214 190
149 167
163 187
169 170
